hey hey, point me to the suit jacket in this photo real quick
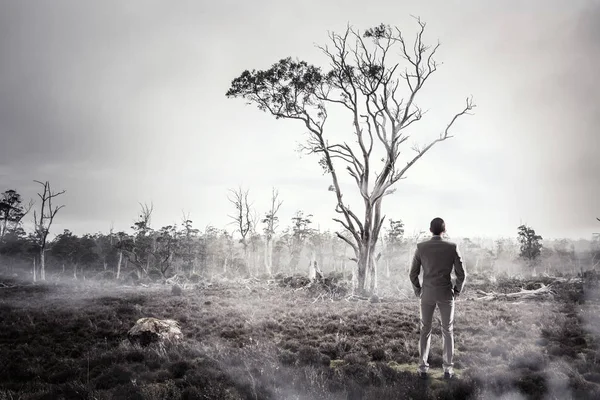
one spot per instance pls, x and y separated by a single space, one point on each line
437 257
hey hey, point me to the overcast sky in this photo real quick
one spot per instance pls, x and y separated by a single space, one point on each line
124 102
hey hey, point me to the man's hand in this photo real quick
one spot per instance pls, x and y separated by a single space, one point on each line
418 292
456 293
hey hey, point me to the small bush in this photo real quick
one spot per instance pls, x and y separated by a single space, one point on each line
179 368
115 376
134 356
355 358
309 356
291 345
329 349
378 355
286 357
530 360
176 290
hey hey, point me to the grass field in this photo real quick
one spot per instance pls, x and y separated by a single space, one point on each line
259 340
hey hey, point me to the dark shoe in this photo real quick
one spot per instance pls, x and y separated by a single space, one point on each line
423 375
448 375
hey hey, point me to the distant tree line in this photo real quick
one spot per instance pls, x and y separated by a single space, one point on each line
254 246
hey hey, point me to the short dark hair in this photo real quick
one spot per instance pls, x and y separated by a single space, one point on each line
437 226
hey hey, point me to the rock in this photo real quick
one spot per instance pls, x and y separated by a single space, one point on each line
154 330
176 290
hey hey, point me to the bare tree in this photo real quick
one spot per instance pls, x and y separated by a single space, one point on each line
43 222
242 219
271 224
364 80
140 247
189 243
121 238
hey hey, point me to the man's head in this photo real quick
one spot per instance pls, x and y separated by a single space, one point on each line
437 226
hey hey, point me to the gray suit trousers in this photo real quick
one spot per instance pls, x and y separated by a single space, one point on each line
444 300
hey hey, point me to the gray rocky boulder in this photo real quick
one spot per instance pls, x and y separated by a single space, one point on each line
154 330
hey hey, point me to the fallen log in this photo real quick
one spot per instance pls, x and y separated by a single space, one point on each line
5 286
543 291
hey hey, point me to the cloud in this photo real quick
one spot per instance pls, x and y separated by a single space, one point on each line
124 102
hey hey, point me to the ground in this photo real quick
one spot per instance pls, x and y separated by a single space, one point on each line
261 340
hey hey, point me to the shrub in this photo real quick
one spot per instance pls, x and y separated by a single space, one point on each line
179 368
286 357
176 290
309 356
378 354
115 376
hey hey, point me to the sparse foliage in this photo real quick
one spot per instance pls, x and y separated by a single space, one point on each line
43 222
365 80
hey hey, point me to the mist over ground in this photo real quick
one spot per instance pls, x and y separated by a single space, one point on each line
105 100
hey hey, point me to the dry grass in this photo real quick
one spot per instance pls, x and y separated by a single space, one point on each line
262 341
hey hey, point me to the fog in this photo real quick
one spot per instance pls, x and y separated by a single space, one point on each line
120 104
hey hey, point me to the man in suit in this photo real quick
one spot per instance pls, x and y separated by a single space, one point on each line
437 257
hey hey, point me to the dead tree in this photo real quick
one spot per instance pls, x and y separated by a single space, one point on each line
365 81
270 221
120 239
43 222
242 219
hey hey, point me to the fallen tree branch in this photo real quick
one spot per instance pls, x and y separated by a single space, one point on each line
5 286
544 291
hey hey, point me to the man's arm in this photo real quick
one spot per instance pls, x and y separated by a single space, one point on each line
459 270
415 270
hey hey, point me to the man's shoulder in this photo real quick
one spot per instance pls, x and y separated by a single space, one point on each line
436 242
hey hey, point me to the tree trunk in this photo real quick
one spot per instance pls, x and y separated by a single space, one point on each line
355 278
268 257
34 271
372 272
246 259
366 248
361 269
119 265
257 261
312 271
42 265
